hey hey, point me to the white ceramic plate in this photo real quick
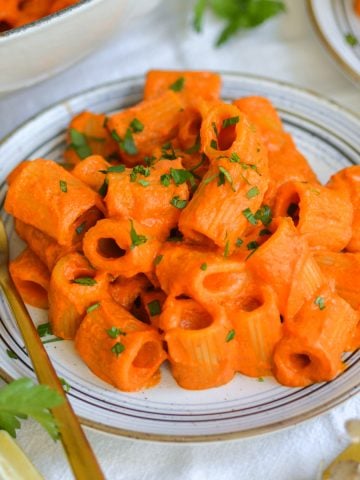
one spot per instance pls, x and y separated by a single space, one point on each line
329 137
334 20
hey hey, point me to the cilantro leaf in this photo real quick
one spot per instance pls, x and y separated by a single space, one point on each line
79 143
136 239
178 85
21 399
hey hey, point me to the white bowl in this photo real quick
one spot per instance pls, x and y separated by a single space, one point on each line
41 49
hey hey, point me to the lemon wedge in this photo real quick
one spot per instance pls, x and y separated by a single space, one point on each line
14 465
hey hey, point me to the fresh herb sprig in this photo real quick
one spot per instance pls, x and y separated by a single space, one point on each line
237 14
21 399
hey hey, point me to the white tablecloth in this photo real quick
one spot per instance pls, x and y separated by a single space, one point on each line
286 48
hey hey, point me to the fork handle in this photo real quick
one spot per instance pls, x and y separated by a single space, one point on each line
76 445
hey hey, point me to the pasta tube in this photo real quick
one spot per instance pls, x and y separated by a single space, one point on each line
234 186
285 262
200 344
121 247
59 205
31 278
347 181
74 287
321 215
140 129
125 291
90 171
119 348
311 348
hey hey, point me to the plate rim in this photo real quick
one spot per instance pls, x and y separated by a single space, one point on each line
351 391
345 68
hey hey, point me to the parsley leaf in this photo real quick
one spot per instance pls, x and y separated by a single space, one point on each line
117 348
115 332
87 281
177 202
230 336
128 144
320 302
250 217
93 307
22 398
136 126
80 228
227 122
158 259
79 143
136 239
63 186
180 176
154 308
351 39
178 85
44 329
114 169
237 14
264 214
253 192
203 266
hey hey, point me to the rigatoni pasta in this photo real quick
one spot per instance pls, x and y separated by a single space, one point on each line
191 230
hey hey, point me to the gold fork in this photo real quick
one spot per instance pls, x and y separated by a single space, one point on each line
77 448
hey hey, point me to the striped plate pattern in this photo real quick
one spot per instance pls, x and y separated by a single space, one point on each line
329 137
334 20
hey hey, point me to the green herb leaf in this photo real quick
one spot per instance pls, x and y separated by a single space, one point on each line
320 302
199 11
63 186
143 183
118 348
234 158
114 169
149 161
165 179
180 176
21 398
79 143
264 231
104 188
168 152
93 307
250 217
178 85
154 308
227 122
177 202
136 126
115 332
136 239
128 144
351 39
86 281
11 354
253 192
224 175
44 329
116 136
80 228
213 144
227 249
158 259
230 336
65 384
260 379
252 245
264 214
239 242
203 266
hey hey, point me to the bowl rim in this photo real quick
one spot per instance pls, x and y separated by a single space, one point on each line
17 31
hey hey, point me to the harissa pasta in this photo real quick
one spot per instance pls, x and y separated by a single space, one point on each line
191 230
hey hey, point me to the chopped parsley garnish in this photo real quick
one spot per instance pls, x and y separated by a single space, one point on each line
149 161
115 332
264 214
227 122
63 186
158 259
195 148
105 122
79 143
230 336
177 202
210 179
11 354
128 144
260 379
116 136
178 85
114 169
136 239
239 242
180 176
203 266
118 348
320 302
264 231
351 39
227 249
213 124
168 152
44 329
250 217
252 245
143 183
79 230
224 175
139 170
65 384
154 308
253 192
234 158
136 126
213 144
86 281
93 307
165 179
104 188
